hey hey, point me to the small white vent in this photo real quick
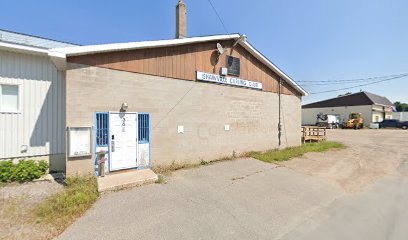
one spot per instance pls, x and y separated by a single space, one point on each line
223 71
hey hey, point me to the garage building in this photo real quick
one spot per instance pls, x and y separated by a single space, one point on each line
374 108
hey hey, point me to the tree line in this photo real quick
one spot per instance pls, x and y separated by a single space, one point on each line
401 107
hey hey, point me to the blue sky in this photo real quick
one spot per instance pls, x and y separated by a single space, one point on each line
310 40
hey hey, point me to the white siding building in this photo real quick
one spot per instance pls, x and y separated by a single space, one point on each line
32 101
374 108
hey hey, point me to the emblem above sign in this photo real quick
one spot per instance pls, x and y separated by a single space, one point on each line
234 66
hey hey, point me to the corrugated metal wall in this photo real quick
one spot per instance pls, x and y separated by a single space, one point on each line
41 123
402 116
309 114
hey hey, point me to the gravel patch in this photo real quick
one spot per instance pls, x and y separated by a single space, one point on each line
371 155
17 202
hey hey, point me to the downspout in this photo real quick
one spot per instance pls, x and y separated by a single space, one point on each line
279 120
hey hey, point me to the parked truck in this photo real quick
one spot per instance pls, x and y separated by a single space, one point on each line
327 120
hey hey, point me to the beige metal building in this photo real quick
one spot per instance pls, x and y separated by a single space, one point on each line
374 108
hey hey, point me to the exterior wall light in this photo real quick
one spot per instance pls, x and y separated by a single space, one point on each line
124 106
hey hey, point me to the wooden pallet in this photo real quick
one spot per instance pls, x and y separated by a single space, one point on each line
312 133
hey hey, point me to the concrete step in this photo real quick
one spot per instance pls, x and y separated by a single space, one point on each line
126 179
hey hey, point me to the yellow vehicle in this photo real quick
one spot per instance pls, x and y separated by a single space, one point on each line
355 121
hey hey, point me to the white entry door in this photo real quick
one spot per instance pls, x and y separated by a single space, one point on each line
123 129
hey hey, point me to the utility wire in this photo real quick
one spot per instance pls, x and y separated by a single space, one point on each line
361 85
219 17
358 79
345 83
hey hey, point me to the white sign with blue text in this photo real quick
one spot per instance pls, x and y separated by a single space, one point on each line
208 77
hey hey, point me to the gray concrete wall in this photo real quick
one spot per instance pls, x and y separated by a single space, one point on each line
202 108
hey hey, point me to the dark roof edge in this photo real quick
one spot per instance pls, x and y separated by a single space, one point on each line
330 99
371 97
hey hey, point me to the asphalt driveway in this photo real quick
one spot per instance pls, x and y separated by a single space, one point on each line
249 199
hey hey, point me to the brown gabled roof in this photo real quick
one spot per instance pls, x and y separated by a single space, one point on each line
60 55
356 99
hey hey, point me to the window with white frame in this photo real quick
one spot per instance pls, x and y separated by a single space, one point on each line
9 98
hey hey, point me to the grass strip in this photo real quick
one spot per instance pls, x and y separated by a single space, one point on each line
292 152
63 208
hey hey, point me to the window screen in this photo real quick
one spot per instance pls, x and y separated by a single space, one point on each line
9 95
102 129
144 126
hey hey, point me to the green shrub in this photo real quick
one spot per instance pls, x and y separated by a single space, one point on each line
23 171
6 171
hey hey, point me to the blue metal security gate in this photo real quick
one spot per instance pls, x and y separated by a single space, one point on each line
144 147
101 137
102 140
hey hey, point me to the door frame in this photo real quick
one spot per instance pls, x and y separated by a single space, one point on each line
110 145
